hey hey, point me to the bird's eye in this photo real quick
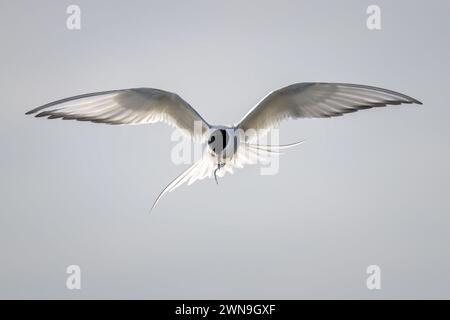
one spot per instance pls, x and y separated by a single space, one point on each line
211 140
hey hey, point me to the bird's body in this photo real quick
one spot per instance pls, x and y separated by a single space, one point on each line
228 147
222 142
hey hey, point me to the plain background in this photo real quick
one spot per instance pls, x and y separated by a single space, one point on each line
368 188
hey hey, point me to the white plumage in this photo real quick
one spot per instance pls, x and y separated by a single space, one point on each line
228 147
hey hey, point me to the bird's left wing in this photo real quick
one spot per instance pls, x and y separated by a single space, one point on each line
129 106
317 100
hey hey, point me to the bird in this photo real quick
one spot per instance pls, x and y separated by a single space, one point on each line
226 146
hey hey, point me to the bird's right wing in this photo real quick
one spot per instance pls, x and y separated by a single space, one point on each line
128 106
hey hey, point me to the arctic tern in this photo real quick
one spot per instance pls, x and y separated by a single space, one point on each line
227 147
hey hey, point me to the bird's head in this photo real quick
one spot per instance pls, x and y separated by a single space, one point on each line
219 140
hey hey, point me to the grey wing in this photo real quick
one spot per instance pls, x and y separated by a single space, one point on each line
317 100
129 106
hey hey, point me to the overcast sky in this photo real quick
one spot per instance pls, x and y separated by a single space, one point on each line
370 188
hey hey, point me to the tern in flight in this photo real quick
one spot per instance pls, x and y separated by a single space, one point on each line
227 147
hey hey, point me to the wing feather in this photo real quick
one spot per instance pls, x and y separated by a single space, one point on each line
317 100
129 106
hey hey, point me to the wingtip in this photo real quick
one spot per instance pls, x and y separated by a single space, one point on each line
412 100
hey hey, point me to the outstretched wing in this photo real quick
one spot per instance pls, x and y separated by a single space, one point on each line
129 106
317 100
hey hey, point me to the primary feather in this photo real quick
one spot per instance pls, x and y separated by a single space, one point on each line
129 106
316 100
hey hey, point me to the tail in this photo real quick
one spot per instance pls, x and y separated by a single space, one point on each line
201 169
175 183
205 167
274 148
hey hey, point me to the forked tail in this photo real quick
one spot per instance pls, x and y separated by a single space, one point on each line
207 167
175 183
273 148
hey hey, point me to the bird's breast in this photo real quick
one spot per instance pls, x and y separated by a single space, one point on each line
223 142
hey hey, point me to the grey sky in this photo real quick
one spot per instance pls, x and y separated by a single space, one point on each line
367 188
